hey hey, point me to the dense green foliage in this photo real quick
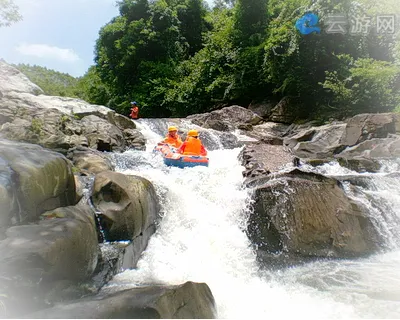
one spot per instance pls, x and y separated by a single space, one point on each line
179 57
54 83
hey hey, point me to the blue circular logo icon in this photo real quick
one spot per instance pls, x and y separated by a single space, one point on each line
307 24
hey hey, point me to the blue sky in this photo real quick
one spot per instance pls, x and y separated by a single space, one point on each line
57 34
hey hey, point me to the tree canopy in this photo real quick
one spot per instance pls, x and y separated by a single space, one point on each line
8 13
179 57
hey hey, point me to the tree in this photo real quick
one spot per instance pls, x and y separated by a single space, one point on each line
177 57
367 86
52 82
250 21
91 89
8 13
191 14
133 50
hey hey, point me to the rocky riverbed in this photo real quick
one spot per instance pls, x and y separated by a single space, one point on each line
69 222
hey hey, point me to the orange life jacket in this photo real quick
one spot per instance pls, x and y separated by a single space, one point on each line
134 112
192 146
175 142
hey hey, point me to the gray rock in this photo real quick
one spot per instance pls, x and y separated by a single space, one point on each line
360 164
69 106
260 158
387 148
102 135
64 242
134 139
282 112
226 119
129 207
368 126
187 301
317 142
12 80
89 160
120 121
269 132
34 180
263 108
57 123
309 214
36 259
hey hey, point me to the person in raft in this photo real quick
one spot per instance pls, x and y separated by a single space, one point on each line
134 110
173 139
192 146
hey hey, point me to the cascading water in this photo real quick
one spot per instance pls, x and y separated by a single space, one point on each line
201 238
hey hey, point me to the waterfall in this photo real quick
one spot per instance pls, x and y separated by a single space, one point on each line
202 238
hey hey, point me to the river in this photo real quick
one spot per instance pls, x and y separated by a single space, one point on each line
201 238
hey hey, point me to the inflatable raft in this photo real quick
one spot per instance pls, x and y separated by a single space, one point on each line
172 158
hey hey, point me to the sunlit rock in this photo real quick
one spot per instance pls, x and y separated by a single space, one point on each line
129 208
226 119
309 214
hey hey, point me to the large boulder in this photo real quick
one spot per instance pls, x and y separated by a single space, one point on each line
89 160
12 80
268 130
360 164
385 148
70 106
263 108
120 121
33 180
260 158
310 215
187 301
134 139
54 130
129 208
317 142
101 134
283 111
326 141
59 123
48 128
368 126
61 249
226 119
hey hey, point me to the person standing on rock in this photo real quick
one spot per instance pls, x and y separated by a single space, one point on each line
192 145
134 110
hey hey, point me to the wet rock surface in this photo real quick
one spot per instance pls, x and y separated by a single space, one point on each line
129 209
33 180
309 214
187 301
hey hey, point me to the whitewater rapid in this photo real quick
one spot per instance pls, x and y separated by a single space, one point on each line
201 238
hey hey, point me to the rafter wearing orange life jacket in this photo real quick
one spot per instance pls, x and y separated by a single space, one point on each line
173 139
192 145
134 110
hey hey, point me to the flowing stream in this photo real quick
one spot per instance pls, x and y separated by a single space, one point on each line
201 238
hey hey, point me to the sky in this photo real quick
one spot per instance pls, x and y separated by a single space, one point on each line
57 34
